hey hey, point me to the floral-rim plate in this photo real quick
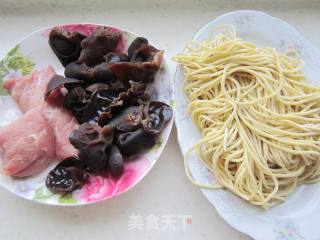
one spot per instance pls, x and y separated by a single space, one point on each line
297 218
34 52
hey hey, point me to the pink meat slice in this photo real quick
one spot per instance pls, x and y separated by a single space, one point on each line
28 91
17 85
26 145
63 123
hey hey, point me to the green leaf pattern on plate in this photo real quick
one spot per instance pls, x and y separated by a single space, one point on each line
129 37
158 144
67 199
14 63
42 194
172 103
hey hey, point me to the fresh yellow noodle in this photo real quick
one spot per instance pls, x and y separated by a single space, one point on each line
259 119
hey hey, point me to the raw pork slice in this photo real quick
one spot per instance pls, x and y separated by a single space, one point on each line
63 123
28 91
26 145
17 85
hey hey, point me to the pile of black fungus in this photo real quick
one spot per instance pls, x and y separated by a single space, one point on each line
106 91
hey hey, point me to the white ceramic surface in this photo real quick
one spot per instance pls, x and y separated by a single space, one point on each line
286 221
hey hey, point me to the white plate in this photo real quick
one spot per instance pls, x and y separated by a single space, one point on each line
298 217
34 52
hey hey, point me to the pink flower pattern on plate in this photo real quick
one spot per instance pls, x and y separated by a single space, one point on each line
99 188
87 29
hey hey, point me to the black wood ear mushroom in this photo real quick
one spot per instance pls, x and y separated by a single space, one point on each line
102 41
93 142
66 45
145 61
